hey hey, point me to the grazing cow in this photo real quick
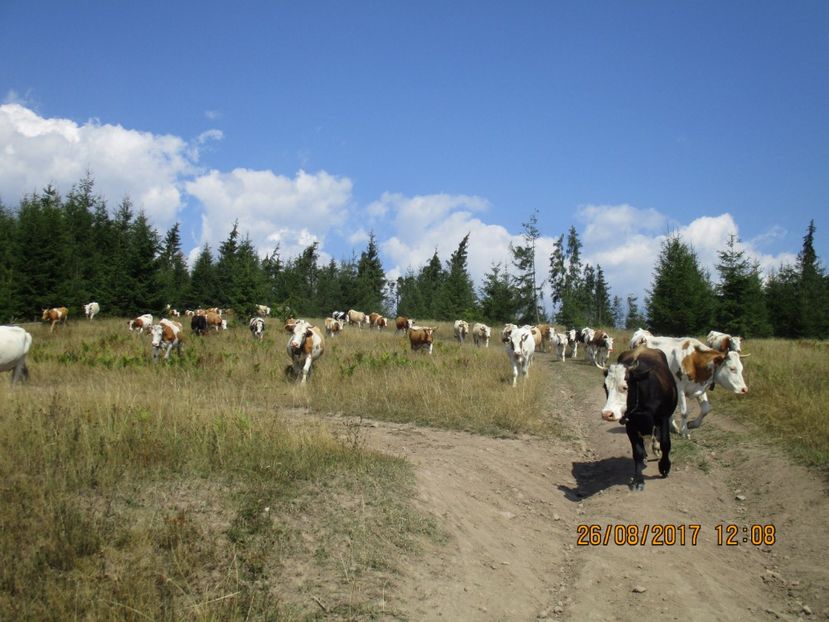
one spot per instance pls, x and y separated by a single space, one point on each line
560 341
641 392
372 318
14 346
380 323
263 310
520 349
340 315
333 326
697 368
215 310
724 342
420 338
461 330
91 310
403 323
357 317
166 334
143 323
305 346
599 347
481 334
215 321
55 315
640 337
198 323
189 312
257 327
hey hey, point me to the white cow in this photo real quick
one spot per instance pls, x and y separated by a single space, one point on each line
257 327
166 334
560 341
305 346
697 368
357 317
724 342
481 334
461 330
573 339
91 310
141 323
14 346
520 349
639 338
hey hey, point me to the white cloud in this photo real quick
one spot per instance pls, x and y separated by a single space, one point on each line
271 208
39 151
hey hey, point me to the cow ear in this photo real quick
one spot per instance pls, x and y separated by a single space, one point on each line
719 359
289 328
309 332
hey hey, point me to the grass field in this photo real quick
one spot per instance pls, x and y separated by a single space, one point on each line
203 489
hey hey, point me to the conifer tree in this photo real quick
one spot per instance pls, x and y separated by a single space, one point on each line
813 298
430 282
634 318
457 300
527 290
741 306
8 250
498 300
371 279
203 288
142 265
173 277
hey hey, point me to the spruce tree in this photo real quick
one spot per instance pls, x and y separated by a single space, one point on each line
142 265
604 314
741 305
634 318
371 279
430 281
782 292
203 287
527 289
173 277
8 250
498 300
410 297
680 301
813 296
457 300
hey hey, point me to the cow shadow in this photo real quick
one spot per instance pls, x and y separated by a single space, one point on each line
593 477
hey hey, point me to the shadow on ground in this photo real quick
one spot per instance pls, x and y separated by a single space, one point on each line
593 477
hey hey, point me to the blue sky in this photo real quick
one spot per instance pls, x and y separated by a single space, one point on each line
422 122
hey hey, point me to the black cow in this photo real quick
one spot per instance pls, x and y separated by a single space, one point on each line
642 394
199 325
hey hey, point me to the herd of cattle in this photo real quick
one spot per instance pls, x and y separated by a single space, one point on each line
643 388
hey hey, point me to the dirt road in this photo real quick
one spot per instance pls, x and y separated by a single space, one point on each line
512 510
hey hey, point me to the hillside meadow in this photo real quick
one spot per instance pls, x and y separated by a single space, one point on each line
213 487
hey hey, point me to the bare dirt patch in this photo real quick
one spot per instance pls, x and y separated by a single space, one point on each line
510 509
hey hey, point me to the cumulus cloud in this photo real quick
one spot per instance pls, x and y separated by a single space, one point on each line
148 167
271 208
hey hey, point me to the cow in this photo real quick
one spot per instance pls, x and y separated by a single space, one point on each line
215 321
560 341
263 310
481 334
143 323
573 339
257 327
547 333
599 347
305 346
420 338
357 317
724 342
174 312
520 349
91 310
340 315
166 334
215 310
55 315
507 331
198 324
640 337
642 394
380 323
333 326
372 318
403 323
189 312
461 330
15 343
697 368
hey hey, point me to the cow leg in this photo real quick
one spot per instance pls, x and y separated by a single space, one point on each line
704 409
21 372
682 404
664 431
514 373
306 369
637 444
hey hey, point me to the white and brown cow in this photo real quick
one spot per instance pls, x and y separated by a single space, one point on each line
333 326
573 339
15 343
520 349
91 310
697 368
461 329
372 318
167 334
640 337
599 348
403 323
380 322
481 334
215 321
263 310
724 342
143 323
420 338
55 315
305 346
357 318
257 327
547 333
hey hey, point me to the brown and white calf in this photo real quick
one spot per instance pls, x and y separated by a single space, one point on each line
420 338
55 315
333 326
461 329
143 323
599 348
215 321
305 346
403 323
547 333
167 334
481 334
379 322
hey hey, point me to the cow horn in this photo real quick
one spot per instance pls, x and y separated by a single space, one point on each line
745 356
599 366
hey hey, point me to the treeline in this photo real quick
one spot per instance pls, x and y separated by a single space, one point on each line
57 251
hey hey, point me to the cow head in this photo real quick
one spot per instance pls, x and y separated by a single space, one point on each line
729 372
508 329
521 343
45 314
608 342
301 332
616 391
157 331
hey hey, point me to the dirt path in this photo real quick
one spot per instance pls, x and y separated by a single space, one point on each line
512 509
